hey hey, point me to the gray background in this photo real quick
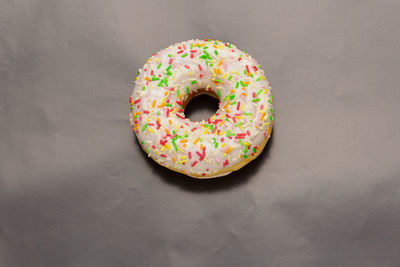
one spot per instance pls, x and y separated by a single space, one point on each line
76 189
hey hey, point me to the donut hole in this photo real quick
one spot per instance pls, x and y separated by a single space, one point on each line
201 106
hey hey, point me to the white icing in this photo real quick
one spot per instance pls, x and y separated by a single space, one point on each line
160 89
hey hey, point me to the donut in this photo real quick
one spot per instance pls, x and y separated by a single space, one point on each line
232 137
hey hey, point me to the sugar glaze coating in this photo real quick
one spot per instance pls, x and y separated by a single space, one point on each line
237 132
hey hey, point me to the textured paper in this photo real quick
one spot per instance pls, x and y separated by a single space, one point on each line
76 189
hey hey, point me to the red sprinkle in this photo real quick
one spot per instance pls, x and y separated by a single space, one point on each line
238 106
255 68
170 60
226 162
180 52
190 155
146 111
194 163
200 68
163 155
180 116
247 68
137 101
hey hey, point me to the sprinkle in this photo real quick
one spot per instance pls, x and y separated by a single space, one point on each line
247 68
255 100
197 140
194 163
159 65
237 85
229 78
193 82
144 127
184 55
238 106
259 92
216 52
187 90
219 93
200 68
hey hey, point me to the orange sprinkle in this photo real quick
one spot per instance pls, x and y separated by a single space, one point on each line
220 63
170 122
222 122
244 94
173 159
184 145
166 130
228 150
197 140
216 47
183 141
233 91
166 93
201 146
263 115
227 103
154 104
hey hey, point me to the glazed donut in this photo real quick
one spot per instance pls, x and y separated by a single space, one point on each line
232 137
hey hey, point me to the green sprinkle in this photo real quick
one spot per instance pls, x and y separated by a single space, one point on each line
154 78
258 79
193 82
184 55
216 43
219 93
158 113
229 78
254 149
132 109
175 146
142 142
168 105
216 52
203 57
229 134
238 124
160 83
191 46
248 113
237 85
217 80
177 92
245 72
166 81
255 100
245 156
232 97
187 90
169 73
229 46
243 84
144 127
216 144
169 55
251 75
168 68
206 47
144 87
241 142
159 65
233 103
260 91
271 118
211 64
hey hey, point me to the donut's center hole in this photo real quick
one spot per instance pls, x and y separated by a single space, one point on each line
201 107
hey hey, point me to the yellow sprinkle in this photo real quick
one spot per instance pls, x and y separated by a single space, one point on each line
151 130
183 161
190 73
183 157
224 144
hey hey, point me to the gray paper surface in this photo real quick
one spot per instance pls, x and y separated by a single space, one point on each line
77 190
